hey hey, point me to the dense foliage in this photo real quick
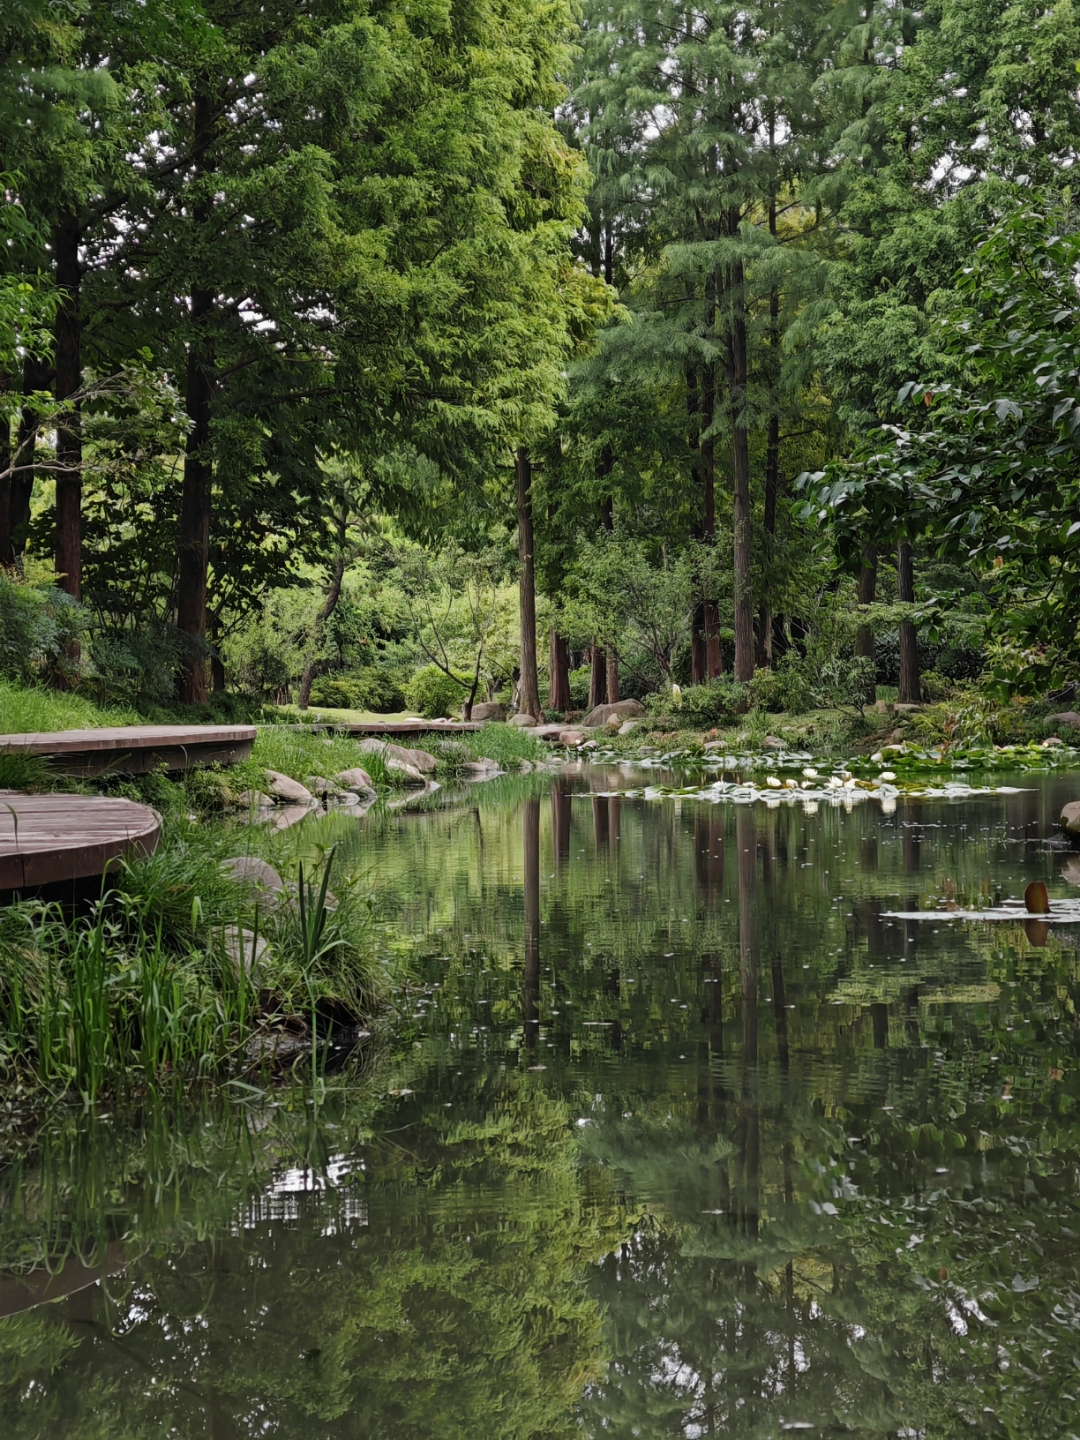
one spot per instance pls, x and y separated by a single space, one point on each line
290 294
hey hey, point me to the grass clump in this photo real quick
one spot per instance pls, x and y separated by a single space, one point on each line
507 745
300 753
27 709
180 972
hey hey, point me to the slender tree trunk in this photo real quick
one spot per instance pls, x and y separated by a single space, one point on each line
612 677
740 444
864 635
711 660
326 609
196 499
68 378
910 692
530 681
772 442
559 691
7 554
36 376
597 677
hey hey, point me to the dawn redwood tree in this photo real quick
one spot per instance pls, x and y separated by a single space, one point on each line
719 136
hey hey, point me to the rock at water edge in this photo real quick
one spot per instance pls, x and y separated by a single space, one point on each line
281 787
618 709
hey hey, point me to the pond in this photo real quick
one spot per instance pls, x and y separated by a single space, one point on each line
678 1134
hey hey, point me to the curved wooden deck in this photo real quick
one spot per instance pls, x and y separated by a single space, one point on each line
135 749
55 839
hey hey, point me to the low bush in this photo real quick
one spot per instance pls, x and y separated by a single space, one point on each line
700 707
433 693
374 689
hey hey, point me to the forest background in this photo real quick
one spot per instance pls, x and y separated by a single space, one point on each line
384 355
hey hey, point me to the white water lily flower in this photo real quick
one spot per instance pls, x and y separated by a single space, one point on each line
810 774
849 782
834 782
887 775
791 784
772 782
877 757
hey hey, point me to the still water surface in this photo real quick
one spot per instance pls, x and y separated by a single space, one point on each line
678 1135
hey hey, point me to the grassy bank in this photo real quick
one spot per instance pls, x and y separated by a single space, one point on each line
183 972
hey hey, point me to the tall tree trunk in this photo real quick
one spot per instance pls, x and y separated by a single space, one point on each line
910 692
326 609
196 499
7 554
68 378
740 445
772 442
36 376
864 635
699 659
559 697
612 677
597 677
712 662
530 681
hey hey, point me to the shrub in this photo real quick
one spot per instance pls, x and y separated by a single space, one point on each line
700 707
374 688
432 692
579 687
37 625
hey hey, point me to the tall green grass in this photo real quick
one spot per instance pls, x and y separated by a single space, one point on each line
143 993
26 709
300 753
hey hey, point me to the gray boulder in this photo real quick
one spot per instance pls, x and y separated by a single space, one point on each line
489 710
281 787
1070 818
619 709
244 949
628 727
772 742
1067 717
524 721
256 874
419 759
571 737
357 780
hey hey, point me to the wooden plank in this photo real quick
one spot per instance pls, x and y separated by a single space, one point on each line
396 727
127 737
45 839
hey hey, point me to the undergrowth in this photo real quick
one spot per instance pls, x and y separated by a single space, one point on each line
25 709
180 973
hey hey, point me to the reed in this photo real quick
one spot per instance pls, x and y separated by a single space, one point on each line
146 992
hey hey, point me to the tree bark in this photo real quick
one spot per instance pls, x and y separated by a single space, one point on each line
910 690
7 554
612 677
530 680
597 677
867 592
36 376
196 499
740 445
326 609
559 690
68 378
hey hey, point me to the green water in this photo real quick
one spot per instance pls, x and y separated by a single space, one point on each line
678 1134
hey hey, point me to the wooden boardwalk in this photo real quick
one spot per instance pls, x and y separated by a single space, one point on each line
56 839
135 749
389 728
